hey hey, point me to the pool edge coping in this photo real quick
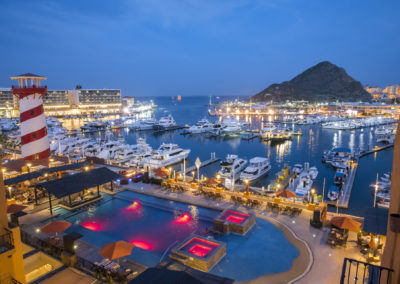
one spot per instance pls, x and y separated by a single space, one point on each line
283 227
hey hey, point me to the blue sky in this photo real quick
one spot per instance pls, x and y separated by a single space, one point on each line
196 47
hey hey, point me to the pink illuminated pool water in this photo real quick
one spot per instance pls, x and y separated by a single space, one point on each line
200 247
235 217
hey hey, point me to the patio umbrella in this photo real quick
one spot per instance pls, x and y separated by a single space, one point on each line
55 227
116 250
14 208
286 194
344 222
212 181
160 172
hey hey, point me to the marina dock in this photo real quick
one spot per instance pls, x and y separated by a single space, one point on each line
178 127
376 149
344 197
250 136
210 161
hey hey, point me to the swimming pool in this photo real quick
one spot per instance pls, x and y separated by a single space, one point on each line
155 225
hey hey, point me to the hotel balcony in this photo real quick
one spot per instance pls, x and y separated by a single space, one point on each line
355 271
6 242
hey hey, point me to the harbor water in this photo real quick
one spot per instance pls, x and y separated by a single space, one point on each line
308 147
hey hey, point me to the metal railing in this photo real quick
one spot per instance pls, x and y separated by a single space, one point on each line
355 271
6 242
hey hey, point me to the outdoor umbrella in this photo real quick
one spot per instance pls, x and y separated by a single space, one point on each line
344 222
212 181
55 227
14 208
286 193
116 250
160 172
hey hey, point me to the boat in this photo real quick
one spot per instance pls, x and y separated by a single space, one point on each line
166 155
313 172
257 168
387 138
304 185
201 126
142 153
298 168
266 131
165 122
339 154
124 155
109 150
333 193
232 167
145 124
339 178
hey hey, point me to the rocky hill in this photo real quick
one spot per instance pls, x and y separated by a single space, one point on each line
322 82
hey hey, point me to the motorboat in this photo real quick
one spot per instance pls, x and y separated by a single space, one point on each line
339 179
166 122
232 167
298 168
110 149
124 155
142 153
257 168
337 154
146 124
313 172
304 185
200 127
333 193
166 155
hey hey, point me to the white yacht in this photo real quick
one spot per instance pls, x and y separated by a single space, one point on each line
166 122
146 124
109 150
313 172
232 167
141 153
232 126
166 155
257 168
267 130
298 168
200 127
305 184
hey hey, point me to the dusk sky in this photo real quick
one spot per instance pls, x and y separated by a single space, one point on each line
196 47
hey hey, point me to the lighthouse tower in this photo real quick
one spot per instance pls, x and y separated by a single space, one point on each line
34 140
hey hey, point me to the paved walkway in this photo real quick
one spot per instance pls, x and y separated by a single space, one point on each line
326 262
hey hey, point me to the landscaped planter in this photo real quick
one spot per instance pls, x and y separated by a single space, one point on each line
395 223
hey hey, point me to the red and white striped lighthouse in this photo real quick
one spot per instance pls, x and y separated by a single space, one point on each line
34 140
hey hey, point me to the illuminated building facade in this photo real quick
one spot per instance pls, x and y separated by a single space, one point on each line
68 102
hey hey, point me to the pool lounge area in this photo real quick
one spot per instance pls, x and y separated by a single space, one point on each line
150 217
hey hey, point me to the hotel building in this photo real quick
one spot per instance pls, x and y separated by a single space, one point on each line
68 102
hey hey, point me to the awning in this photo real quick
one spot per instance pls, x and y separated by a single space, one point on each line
79 182
376 221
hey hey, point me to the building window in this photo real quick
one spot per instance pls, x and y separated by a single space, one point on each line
36 156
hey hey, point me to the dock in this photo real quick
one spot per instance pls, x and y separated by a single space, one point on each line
376 149
250 136
344 197
178 127
210 161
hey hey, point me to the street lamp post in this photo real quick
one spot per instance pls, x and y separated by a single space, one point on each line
312 195
246 181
